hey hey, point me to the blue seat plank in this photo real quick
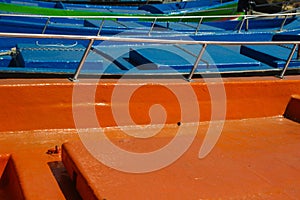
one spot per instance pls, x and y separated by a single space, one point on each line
43 56
272 55
184 56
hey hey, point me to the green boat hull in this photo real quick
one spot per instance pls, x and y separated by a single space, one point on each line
34 10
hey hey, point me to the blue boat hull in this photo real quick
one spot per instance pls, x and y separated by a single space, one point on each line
119 58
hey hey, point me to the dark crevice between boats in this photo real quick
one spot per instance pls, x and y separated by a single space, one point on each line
266 7
64 181
263 6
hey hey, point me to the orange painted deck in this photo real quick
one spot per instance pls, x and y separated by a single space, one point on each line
256 157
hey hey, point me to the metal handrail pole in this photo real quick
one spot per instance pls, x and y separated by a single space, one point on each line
283 23
100 27
199 24
197 62
288 61
86 53
247 24
153 23
46 24
243 21
142 40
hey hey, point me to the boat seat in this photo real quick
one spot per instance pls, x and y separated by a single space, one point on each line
244 149
55 57
117 57
272 55
159 58
184 56
289 36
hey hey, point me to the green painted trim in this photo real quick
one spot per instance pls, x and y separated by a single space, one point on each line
23 9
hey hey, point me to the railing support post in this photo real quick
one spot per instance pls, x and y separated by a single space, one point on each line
199 24
149 33
86 53
288 61
242 23
46 24
197 62
283 23
100 27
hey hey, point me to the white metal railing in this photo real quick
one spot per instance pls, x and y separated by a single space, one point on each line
159 41
199 19
285 14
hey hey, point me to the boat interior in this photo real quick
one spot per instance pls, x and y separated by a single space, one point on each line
50 127
126 45
149 108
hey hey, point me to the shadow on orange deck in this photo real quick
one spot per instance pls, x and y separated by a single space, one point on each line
293 109
4 193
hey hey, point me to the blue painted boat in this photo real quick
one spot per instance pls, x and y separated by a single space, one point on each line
133 58
220 30
60 55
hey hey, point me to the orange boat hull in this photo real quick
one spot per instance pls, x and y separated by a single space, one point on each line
255 156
